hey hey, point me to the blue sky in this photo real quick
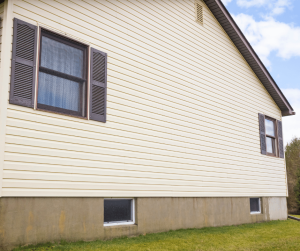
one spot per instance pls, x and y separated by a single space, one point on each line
273 29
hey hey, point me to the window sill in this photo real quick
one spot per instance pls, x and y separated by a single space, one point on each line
255 213
118 224
61 113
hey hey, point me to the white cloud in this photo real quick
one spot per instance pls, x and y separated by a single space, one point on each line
276 7
291 124
225 2
251 3
269 36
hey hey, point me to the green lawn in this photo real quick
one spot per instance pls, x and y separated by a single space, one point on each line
297 216
274 235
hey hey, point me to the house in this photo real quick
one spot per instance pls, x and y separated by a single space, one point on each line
129 117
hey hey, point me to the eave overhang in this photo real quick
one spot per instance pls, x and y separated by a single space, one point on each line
233 31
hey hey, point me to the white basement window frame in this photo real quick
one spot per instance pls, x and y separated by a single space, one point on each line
259 205
124 222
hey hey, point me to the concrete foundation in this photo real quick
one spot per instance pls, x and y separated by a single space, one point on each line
37 220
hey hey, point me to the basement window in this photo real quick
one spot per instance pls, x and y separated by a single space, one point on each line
119 212
255 206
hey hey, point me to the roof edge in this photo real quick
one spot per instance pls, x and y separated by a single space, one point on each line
288 113
272 88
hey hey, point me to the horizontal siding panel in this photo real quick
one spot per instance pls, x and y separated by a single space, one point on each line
25 192
178 98
44 184
199 89
221 155
124 142
159 122
211 27
99 181
182 111
206 172
49 132
120 141
114 162
125 100
132 158
137 130
159 22
181 23
168 56
193 96
67 159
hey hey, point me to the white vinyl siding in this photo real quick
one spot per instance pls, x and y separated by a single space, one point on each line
182 116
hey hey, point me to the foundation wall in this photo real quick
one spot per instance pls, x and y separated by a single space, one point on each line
37 220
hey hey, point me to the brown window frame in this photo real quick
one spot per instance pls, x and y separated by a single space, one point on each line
84 81
275 138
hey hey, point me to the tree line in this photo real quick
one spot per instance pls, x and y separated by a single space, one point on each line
292 157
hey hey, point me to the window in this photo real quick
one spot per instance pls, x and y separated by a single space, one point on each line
62 66
271 140
255 206
62 75
271 136
118 212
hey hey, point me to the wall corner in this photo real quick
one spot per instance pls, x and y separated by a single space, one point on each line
7 25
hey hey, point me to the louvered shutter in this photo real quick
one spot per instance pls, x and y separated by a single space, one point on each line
23 68
98 85
280 139
262 133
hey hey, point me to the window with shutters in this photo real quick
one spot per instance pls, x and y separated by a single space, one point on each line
62 75
61 65
271 141
270 125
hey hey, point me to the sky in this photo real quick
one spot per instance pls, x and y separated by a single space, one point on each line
273 29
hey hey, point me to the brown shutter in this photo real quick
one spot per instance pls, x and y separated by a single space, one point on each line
262 133
280 139
23 67
98 85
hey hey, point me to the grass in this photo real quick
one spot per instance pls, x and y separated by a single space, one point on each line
274 235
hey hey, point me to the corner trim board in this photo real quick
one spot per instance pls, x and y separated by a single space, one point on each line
4 73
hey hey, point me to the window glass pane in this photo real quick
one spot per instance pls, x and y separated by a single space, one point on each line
61 57
117 210
254 205
270 145
270 127
59 92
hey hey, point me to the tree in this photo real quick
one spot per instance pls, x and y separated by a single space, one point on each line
292 156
